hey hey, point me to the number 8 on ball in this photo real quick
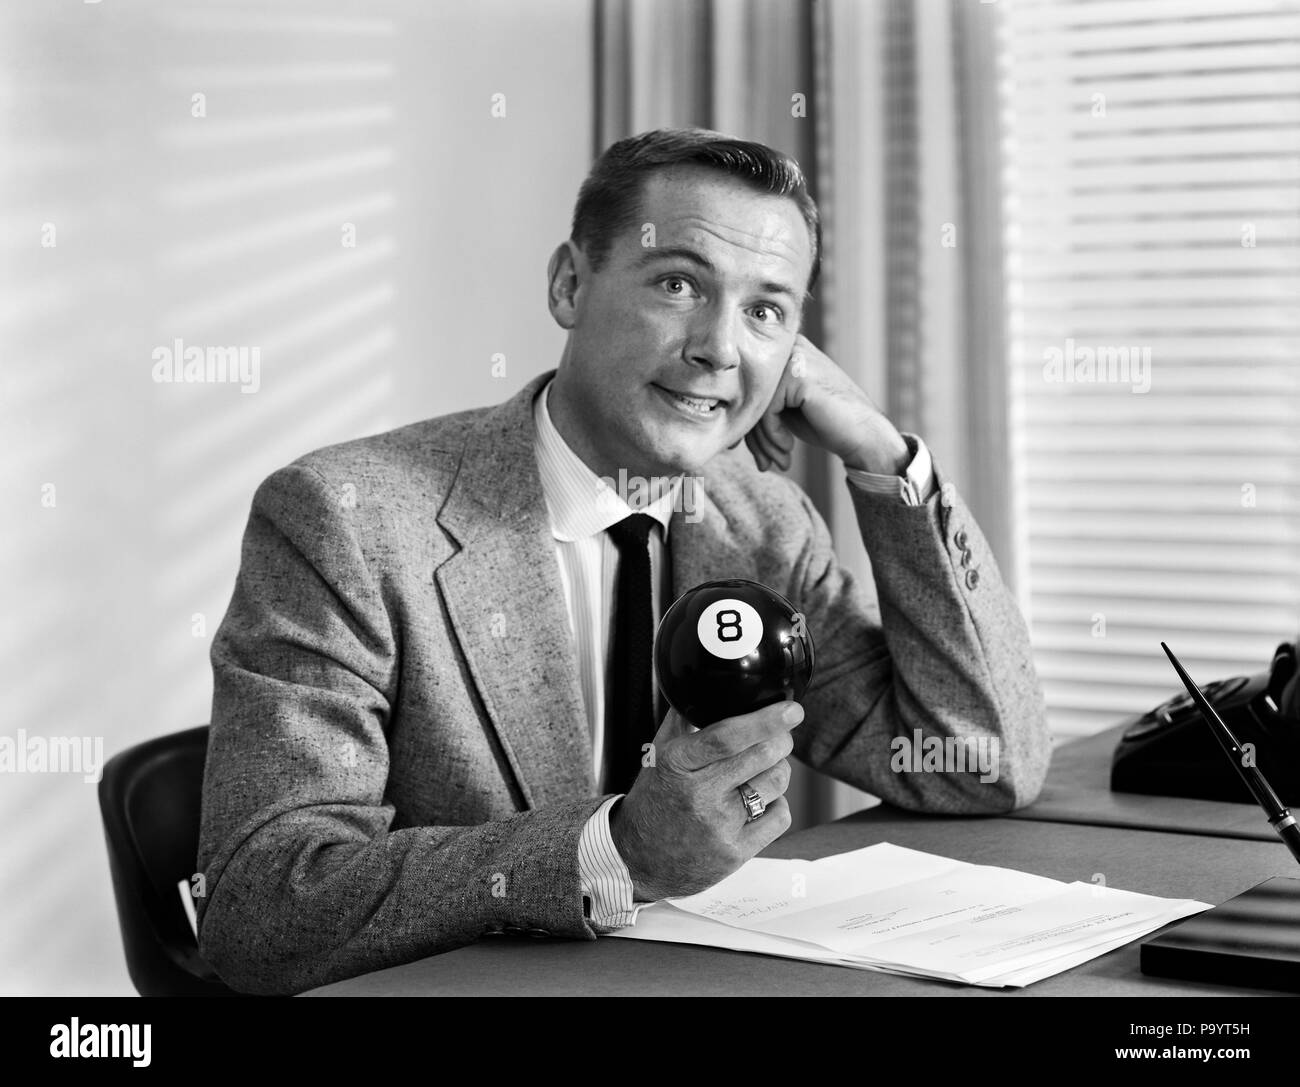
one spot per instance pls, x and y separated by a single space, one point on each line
730 647
729 629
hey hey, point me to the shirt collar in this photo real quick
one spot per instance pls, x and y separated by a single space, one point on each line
581 503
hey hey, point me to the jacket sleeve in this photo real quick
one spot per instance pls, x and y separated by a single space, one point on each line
932 703
305 881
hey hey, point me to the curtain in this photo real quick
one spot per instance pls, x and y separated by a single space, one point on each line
912 306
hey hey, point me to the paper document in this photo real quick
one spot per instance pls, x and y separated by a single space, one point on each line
907 912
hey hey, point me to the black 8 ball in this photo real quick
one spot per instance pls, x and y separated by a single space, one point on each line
730 647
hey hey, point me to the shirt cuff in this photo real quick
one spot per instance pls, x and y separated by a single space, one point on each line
914 487
603 876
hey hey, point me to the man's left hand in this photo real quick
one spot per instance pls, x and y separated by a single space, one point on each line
819 403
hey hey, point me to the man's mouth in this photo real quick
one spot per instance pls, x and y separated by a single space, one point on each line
699 405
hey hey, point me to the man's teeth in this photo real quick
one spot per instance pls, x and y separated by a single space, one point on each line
700 405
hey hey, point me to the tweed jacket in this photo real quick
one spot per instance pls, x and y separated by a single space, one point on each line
399 761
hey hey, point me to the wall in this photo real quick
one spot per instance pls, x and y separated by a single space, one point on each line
124 498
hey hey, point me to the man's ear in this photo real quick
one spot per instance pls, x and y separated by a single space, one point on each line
562 276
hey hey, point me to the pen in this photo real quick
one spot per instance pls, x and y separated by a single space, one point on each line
1279 816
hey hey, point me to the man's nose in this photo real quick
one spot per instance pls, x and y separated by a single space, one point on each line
712 340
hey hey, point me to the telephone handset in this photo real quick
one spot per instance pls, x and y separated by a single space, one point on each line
1170 750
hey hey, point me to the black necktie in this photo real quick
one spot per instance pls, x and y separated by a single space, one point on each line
629 709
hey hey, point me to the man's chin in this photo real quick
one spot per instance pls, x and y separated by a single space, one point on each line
689 454
692 460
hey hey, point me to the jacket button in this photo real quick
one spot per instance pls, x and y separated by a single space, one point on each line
966 557
537 933
972 577
960 537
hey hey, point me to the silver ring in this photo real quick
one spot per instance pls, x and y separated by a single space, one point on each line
754 806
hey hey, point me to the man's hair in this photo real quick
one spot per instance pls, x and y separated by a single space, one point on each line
610 198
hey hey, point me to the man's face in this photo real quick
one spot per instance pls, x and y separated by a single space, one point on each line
710 310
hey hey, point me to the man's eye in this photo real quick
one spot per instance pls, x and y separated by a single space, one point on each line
677 286
766 314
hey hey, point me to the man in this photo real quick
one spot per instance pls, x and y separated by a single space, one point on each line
419 730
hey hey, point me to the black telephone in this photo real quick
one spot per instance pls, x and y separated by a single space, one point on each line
1170 751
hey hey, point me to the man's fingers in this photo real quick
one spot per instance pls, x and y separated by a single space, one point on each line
732 735
779 433
772 783
760 458
752 763
769 826
766 452
765 437
672 726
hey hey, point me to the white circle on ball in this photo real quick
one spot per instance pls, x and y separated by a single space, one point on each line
729 629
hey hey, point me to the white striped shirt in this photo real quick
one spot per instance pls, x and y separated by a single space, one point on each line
581 507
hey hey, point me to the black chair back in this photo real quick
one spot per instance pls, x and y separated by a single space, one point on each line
149 798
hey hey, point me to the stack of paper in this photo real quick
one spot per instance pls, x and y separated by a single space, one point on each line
906 912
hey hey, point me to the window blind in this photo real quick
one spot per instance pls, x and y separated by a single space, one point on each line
1151 189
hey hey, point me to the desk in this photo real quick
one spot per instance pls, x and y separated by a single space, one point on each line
1211 869
1077 790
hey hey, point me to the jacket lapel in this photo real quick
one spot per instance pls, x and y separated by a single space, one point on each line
506 603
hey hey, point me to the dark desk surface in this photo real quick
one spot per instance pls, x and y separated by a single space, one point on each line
1077 790
1211 869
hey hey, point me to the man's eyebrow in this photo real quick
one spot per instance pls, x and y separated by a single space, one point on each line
679 252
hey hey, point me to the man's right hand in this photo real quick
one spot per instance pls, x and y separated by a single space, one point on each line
681 828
